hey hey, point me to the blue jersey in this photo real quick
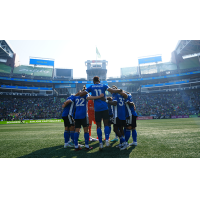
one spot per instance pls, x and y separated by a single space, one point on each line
69 109
81 107
96 90
119 109
129 109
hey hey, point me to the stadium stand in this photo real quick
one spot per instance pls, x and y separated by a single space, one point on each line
28 71
166 104
190 64
30 108
4 69
158 69
162 89
129 72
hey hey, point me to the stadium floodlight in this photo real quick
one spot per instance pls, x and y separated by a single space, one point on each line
191 55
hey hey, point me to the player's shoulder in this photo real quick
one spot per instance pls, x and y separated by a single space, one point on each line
72 97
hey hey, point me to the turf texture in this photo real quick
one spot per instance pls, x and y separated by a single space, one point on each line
162 138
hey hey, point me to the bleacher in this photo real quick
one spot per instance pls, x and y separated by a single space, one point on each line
160 69
4 69
30 71
190 64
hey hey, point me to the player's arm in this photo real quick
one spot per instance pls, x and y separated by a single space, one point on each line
66 103
131 104
95 97
77 94
123 94
114 90
114 103
82 93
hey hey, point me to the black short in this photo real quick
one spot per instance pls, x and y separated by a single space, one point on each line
111 119
131 121
81 122
68 121
119 123
101 115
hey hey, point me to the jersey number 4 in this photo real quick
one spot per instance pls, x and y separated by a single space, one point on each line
81 100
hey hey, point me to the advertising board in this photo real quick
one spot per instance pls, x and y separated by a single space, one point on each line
34 61
33 121
65 85
180 116
144 117
149 59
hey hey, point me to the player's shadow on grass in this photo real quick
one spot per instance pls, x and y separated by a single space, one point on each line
60 152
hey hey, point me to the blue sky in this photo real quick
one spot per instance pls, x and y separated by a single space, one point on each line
70 54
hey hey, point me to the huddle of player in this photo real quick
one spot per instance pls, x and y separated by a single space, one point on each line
122 116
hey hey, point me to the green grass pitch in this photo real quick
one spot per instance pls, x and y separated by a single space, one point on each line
163 138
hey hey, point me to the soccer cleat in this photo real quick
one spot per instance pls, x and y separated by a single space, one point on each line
79 140
71 143
77 149
119 146
88 148
100 146
94 139
114 140
124 146
133 144
68 145
107 144
80 145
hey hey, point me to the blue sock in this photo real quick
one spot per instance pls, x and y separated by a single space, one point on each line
127 135
99 133
76 136
66 136
107 130
134 135
122 140
72 135
86 136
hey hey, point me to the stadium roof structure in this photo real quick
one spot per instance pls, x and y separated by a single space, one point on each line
5 49
185 47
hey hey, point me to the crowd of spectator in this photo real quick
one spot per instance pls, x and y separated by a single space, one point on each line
30 108
163 104
168 104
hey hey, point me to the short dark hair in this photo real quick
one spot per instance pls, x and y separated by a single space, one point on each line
96 79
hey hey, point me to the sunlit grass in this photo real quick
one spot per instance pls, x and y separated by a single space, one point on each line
166 138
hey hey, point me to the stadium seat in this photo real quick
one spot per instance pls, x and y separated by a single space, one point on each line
5 69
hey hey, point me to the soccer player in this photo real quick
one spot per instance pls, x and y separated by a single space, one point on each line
110 112
91 118
67 114
131 117
119 117
81 119
101 108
